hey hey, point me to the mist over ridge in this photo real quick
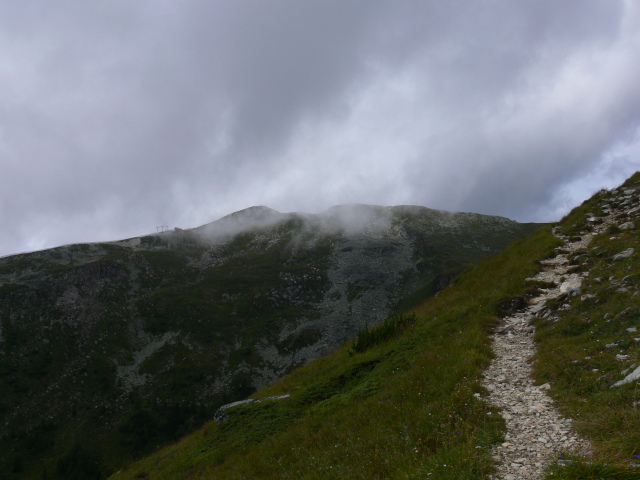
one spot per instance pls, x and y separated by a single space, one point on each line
349 219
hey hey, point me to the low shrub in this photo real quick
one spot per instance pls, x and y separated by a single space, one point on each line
391 327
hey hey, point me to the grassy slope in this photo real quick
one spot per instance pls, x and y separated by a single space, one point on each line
402 409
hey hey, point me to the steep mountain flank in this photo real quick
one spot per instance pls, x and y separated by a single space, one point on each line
107 350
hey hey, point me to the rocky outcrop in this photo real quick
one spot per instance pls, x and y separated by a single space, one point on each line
221 414
633 376
624 254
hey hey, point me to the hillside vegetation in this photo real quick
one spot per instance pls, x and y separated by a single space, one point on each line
408 403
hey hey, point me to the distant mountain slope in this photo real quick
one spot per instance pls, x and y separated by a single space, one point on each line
124 345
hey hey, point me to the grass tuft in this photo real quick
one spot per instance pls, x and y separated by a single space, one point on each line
389 328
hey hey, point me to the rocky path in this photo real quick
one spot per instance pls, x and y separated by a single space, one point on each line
535 430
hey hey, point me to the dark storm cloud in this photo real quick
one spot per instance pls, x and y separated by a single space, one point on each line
118 116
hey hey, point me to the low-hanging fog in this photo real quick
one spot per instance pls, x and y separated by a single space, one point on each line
117 117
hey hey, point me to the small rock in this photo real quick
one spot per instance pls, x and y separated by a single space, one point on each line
627 226
506 329
538 307
221 414
624 254
629 378
624 312
571 286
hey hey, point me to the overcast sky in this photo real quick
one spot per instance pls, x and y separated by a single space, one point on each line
117 116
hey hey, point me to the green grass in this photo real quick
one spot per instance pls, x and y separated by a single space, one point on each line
403 408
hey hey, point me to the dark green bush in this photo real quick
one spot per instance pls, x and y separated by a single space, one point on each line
79 464
391 327
148 427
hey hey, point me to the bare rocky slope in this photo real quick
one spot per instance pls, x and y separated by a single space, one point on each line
121 346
